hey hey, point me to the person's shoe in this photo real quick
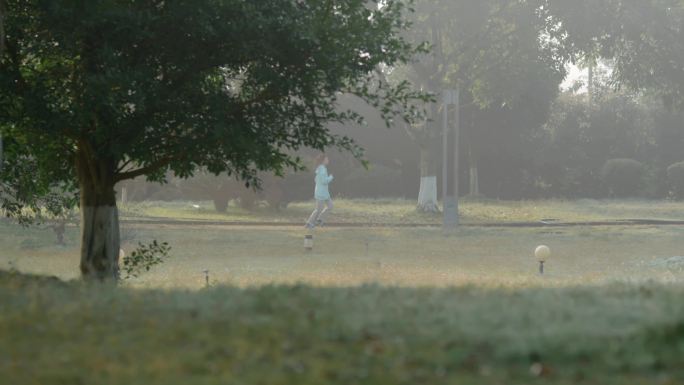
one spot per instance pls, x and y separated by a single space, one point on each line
309 225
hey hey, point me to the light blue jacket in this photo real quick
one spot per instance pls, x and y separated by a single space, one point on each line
321 192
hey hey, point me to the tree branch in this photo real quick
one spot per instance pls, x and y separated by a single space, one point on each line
123 166
152 167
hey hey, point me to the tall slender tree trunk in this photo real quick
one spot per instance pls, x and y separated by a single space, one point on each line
590 83
220 202
427 196
474 185
99 220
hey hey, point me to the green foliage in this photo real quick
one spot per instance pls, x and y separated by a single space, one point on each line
675 177
144 258
229 86
27 193
508 59
508 73
623 177
489 48
29 198
580 137
643 38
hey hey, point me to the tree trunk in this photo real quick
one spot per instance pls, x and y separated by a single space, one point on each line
99 220
99 236
590 83
248 199
427 196
60 228
474 185
221 203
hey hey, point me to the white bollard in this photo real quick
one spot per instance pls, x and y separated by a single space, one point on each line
308 242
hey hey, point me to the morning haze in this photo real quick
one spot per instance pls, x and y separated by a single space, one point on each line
342 192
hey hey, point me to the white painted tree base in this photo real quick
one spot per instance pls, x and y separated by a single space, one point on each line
427 196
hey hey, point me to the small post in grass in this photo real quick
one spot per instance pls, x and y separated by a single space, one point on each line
308 242
206 278
542 253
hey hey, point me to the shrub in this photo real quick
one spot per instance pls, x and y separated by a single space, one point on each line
675 178
623 177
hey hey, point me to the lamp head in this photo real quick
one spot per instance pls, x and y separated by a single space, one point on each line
542 253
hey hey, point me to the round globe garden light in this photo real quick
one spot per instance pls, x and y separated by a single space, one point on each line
542 253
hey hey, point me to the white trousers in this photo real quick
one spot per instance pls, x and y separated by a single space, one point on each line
321 211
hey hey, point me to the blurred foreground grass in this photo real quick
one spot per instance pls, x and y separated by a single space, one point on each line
69 333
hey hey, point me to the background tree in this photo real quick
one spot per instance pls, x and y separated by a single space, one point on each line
496 54
643 39
581 138
104 91
644 43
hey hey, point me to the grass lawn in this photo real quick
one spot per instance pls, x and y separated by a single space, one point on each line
403 211
367 306
410 257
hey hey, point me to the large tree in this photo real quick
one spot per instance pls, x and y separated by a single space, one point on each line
97 92
498 54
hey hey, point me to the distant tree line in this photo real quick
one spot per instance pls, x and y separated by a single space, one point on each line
618 143
621 145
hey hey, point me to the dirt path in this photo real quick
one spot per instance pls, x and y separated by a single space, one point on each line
539 224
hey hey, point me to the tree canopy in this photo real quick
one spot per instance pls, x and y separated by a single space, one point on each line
497 54
644 39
